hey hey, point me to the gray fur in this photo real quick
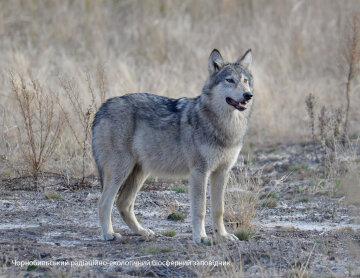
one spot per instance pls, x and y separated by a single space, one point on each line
138 135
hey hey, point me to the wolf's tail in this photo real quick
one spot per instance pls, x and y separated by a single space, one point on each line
96 155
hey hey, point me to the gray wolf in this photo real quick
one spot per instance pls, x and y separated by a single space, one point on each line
138 135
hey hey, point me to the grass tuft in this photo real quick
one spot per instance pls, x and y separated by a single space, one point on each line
32 267
208 242
304 200
176 216
156 250
269 203
244 235
169 233
270 195
180 189
52 195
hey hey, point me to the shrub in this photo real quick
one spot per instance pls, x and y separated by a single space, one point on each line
41 125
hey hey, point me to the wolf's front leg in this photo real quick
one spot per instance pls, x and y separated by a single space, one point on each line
198 181
218 183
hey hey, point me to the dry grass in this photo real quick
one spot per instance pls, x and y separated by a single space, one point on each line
162 47
333 122
40 126
241 198
350 186
330 123
352 54
84 107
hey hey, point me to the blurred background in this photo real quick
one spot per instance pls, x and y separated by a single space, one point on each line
95 49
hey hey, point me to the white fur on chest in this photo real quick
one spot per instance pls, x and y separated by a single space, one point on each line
219 157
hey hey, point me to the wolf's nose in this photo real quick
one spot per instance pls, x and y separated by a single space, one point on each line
248 96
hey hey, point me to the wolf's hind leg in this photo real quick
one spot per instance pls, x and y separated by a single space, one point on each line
126 200
114 176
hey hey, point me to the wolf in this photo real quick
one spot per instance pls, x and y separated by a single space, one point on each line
138 135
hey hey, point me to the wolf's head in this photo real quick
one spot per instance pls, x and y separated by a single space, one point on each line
230 85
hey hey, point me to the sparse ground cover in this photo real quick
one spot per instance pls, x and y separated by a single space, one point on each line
312 230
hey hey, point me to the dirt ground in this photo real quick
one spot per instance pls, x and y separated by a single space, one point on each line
309 230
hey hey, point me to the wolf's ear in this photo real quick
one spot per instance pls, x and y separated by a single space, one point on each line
245 60
216 62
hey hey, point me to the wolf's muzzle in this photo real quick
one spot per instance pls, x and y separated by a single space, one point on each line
247 96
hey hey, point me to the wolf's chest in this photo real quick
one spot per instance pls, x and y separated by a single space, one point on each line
220 157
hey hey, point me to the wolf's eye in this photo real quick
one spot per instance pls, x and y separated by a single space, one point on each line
245 80
230 80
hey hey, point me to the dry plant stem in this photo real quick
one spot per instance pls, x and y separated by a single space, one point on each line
101 81
311 104
42 129
84 120
348 87
328 132
322 128
353 60
83 111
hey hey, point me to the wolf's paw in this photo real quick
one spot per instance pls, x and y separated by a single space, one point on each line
113 236
226 237
146 232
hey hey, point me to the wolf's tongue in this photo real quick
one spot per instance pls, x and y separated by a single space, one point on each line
243 103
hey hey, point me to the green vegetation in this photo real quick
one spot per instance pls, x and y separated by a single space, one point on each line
270 195
269 203
208 242
52 195
32 267
249 160
271 150
169 233
180 189
156 250
244 235
176 216
304 200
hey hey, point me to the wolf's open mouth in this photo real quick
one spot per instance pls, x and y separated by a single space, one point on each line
241 106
